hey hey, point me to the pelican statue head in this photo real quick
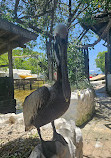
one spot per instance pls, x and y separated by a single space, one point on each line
60 42
60 46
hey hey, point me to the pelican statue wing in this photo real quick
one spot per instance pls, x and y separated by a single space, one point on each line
35 102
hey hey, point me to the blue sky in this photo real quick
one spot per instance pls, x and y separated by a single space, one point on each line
93 54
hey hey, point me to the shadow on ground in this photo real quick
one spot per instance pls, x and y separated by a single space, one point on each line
19 148
103 106
108 125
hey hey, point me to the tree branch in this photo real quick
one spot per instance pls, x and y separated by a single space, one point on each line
99 39
38 30
52 17
36 16
79 13
16 7
73 25
73 14
75 11
70 15
25 2
83 35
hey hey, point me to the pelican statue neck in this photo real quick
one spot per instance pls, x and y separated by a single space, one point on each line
64 73
59 74
61 38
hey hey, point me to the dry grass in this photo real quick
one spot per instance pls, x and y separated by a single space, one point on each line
20 94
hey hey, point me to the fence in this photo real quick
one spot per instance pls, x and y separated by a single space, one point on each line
32 83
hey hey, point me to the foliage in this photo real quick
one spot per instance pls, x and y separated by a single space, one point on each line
4 60
100 61
75 65
41 17
22 59
84 84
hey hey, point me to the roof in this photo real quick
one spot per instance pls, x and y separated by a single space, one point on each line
100 22
13 35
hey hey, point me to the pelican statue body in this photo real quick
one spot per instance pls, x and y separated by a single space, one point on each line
47 104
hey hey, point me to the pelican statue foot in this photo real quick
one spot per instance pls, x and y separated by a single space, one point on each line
57 136
48 147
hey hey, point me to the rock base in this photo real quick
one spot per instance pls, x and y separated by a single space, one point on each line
55 150
71 134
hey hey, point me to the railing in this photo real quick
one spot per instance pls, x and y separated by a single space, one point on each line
32 83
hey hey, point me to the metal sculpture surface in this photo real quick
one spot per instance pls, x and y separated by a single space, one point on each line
47 104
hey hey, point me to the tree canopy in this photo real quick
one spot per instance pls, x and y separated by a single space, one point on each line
100 61
75 64
41 17
32 60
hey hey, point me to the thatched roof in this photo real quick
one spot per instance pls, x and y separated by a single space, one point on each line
13 36
100 23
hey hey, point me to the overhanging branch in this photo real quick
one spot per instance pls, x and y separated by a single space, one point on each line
99 39
16 7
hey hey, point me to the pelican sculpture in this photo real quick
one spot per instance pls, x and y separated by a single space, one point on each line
47 104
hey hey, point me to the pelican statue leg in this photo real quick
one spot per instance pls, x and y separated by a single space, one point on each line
57 136
48 147
38 129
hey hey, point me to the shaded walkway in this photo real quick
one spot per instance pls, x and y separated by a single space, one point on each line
97 133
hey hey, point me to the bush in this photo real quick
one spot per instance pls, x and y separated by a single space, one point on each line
75 65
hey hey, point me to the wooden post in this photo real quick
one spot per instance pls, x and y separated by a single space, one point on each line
11 68
23 84
109 50
50 62
10 63
30 84
86 62
108 58
106 69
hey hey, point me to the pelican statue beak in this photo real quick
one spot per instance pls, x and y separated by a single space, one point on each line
56 48
61 40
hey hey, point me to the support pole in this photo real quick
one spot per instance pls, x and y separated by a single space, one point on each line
109 50
86 62
108 77
50 62
10 63
11 69
106 69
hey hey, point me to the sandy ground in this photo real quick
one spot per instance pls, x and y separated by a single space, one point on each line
16 143
97 132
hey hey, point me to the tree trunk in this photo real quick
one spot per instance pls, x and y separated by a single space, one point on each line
50 62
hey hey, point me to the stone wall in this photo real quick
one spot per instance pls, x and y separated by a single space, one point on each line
82 106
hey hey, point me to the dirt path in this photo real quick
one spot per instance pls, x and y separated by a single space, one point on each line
16 143
97 132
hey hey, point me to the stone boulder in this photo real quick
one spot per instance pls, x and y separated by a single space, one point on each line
60 151
82 106
11 118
